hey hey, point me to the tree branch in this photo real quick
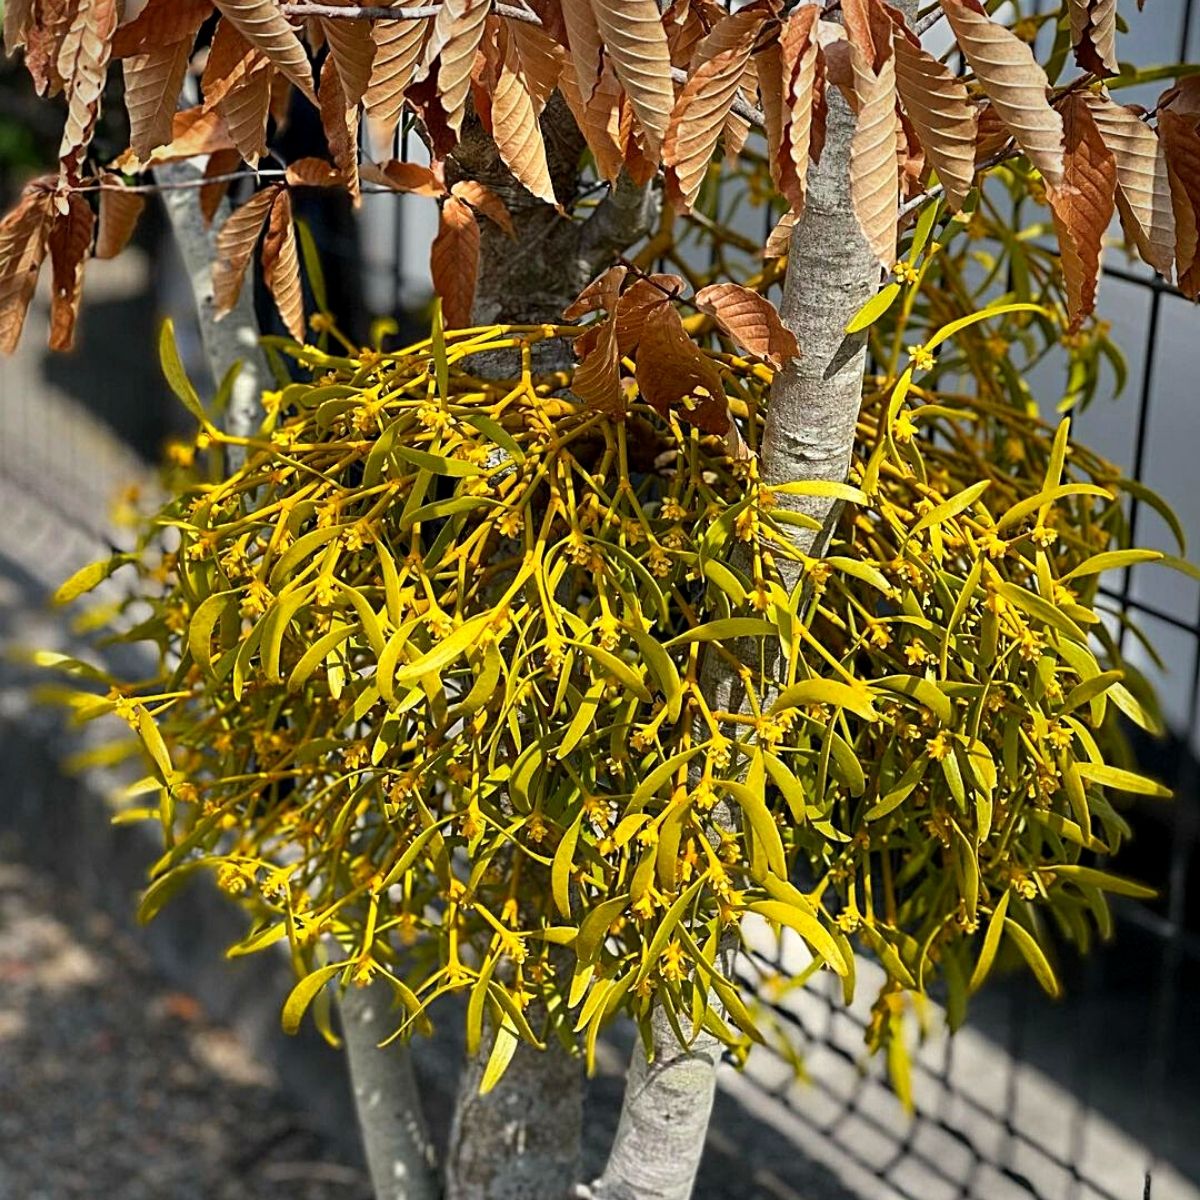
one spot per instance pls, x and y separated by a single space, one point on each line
624 216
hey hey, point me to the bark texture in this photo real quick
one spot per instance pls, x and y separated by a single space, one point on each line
668 1102
399 1152
235 336
809 435
522 1140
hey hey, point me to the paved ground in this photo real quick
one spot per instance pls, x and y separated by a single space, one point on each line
116 1087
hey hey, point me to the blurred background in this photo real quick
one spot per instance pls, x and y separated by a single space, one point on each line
140 1064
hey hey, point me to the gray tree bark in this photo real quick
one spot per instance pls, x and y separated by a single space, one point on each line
809 435
234 338
521 1141
400 1155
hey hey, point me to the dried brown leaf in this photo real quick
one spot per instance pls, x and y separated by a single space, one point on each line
281 265
601 294
1094 35
542 59
1083 206
874 186
404 177
698 117
457 34
787 73
266 28
599 119
340 120
515 128
634 38
231 61
585 45
120 210
398 47
454 262
23 235
941 113
159 23
751 320
152 84
70 244
638 301
235 248
246 109
674 376
352 49
1143 184
44 40
484 201
1182 145
780 238
18 16
215 188
193 132
313 172
597 379
1014 82
83 65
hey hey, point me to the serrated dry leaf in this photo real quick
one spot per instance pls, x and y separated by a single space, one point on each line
281 265
945 120
751 320
160 23
398 47
543 60
599 295
44 40
1083 206
23 235
1182 145
638 301
454 262
515 128
585 45
70 243
404 177
787 85
599 119
352 49
1094 35
235 248
262 24
120 210
313 172
780 238
193 132
674 376
83 65
484 201
636 42
246 109
340 120
18 16
215 188
1143 184
231 61
152 84
597 379
1013 81
698 117
456 36
874 186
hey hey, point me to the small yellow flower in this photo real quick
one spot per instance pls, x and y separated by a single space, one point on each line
921 358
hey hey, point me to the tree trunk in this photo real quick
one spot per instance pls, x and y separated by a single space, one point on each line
233 338
399 1152
521 1141
809 435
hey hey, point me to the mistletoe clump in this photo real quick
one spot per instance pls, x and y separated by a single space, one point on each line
431 702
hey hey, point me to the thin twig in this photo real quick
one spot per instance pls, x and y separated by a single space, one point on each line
357 12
